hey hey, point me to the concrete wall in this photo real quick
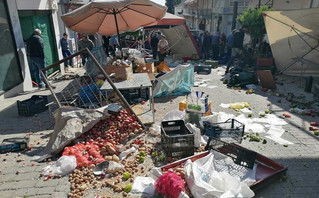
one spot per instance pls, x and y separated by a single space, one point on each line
27 84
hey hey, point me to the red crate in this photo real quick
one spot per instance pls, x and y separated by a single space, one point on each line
267 170
265 62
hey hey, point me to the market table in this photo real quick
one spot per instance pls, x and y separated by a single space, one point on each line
138 81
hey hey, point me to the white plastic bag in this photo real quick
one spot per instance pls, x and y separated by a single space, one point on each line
144 186
125 153
174 115
64 166
205 181
114 167
196 131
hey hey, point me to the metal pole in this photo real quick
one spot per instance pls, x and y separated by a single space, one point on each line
259 4
235 14
112 85
117 29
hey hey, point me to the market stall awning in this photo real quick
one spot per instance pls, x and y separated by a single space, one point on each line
168 20
293 37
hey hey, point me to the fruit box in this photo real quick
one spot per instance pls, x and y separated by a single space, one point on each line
267 170
145 68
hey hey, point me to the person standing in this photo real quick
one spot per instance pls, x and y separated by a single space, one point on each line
237 48
114 44
35 49
207 41
64 43
83 43
215 45
229 43
162 48
154 42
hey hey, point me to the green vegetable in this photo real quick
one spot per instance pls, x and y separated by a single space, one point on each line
285 145
126 175
262 115
267 112
195 107
128 188
254 138
154 154
142 153
316 133
142 159
250 115
264 141
257 134
162 158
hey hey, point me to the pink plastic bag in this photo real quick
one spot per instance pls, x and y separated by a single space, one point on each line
170 185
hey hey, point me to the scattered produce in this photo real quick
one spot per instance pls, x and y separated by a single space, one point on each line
316 133
268 112
250 115
128 188
154 154
162 158
142 153
285 145
286 115
313 124
261 114
254 138
142 159
170 185
126 175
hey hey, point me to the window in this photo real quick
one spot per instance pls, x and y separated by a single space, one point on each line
241 3
10 71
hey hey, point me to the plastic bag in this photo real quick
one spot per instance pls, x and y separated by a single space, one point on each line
155 130
197 135
125 153
170 185
174 115
114 167
64 166
144 186
205 179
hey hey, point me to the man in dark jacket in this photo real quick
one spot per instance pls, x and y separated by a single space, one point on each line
35 49
154 42
237 48
207 43
64 43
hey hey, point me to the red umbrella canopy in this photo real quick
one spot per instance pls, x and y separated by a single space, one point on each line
108 17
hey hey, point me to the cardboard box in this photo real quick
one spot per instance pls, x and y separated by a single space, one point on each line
121 72
145 68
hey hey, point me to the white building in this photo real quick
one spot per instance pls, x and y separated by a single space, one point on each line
18 19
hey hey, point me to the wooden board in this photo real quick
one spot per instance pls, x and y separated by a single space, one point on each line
266 79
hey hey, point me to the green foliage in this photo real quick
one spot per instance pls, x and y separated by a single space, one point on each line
254 19
170 5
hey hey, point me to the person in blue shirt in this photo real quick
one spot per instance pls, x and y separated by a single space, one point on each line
229 43
64 43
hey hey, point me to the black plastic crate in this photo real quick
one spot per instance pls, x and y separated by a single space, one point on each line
240 155
13 144
176 139
133 96
203 69
36 104
230 131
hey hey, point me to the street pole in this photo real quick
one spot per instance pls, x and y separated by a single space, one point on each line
234 15
259 3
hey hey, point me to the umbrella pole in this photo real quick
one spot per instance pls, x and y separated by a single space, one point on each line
118 32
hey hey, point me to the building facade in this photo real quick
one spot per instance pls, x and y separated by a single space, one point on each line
18 19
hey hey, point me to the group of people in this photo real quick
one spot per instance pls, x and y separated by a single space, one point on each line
219 46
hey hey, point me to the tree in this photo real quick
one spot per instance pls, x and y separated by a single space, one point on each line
254 19
170 5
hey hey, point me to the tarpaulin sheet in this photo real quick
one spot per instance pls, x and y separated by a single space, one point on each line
293 37
176 82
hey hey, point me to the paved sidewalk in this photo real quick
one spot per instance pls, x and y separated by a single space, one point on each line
21 179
